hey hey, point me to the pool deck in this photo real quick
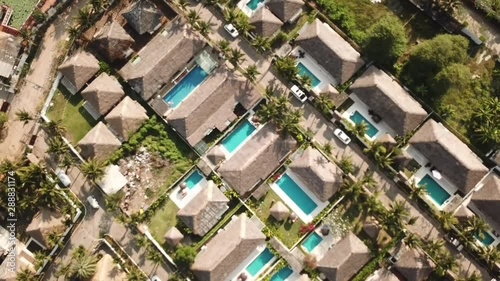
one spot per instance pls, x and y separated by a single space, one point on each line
180 201
360 107
230 130
245 263
246 10
320 250
290 203
324 77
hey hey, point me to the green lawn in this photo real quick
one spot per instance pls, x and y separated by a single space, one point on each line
287 232
75 119
163 219
22 9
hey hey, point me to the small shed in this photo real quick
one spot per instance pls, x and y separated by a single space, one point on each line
173 236
113 180
279 211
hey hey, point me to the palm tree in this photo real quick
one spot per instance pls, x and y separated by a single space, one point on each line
57 146
352 191
446 6
393 220
288 122
55 127
134 274
417 190
236 56
368 179
252 72
97 5
231 15
209 3
66 161
154 255
447 220
39 260
83 264
24 116
183 4
53 239
223 46
204 27
142 240
83 18
47 195
244 25
193 17
286 66
324 103
474 276
73 32
93 169
412 240
305 81
360 129
445 261
25 275
491 255
261 43
32 175
327 148
433 247
345 163
475 226
371 205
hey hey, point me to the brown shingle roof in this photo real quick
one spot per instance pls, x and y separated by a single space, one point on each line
258 157
113 41
205 210
487 199
143 16
330 50
212 104
321 176
449 155
265 23
103 93
126 118
414 265
285 9
228 249
43 223
9 49
99 142
344 259
388 99
79 68
161 59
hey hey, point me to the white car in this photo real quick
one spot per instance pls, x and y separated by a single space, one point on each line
93 202
298 93
66 181
343 137
155 278
231 30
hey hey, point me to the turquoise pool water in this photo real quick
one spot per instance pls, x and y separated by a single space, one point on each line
303 70
238 135
312 241
296 194
357 118
487 238
193 179
253 4
282 274
259 262
180 91
434 190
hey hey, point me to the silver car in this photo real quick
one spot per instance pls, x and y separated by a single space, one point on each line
231 30
343 137
298 93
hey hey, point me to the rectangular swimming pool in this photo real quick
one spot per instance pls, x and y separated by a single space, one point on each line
303 70
253 4
238 135
356 117
487 238
193 179
180 91
434 190
259 262
296 194
282 274
312 241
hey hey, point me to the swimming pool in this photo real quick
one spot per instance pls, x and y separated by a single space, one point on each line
296 194
356 117
253 4
487 238
312 241
180 91
238 135
303 70
259 262
193 179
282 274
434 190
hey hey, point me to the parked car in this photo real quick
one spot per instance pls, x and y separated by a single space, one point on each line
93 202
343 137
155 278
298 93
231 30
65 180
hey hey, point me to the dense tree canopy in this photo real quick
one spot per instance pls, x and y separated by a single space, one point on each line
454 77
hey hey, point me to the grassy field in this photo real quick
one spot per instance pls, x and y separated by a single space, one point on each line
73 116
163 219
22 9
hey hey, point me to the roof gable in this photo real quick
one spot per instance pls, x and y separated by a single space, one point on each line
79 68
285 9
113 41
265 23
99 142
126 118
143 16
103 93
487 199
414 265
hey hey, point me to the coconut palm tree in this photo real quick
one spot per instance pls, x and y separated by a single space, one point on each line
57 147
93 169
53 239
193 17
204 27
97 5
412 240
55 127
84 16
209 3
236 56
142 240
73 32
23 116
25 275
490 254
324 103
286 66
251 72
183 4
417 190
134 274
32 175
223 46
261 43
360 129
47 195
327 148
447 220
352 191
345 163
243 25
393 220
66 161
289 121
83 265
445 261
370 206
475 226
231 15
474 276
304 80
433 247
154 255
368 179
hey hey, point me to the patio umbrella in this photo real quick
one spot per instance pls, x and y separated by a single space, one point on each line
183 185
173 236
292 216
242 277
437 174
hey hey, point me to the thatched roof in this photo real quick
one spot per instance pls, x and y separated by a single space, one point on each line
344 259
108 270
99 142
103 93
258 157
330 50
285 9
173 236
321 176
451 157
372 228
487 199
113 41
216 155
43 223
401 160
279 211
79 68
9 50
383 94
265 23
462 213
212 104
204 210
228 249
387 140
126 118
414 265
143 16
164 56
